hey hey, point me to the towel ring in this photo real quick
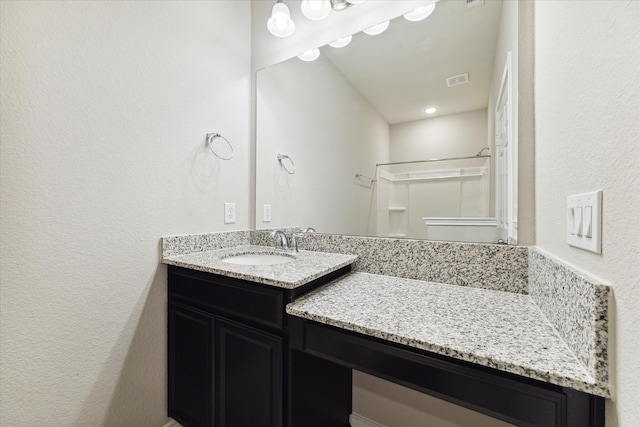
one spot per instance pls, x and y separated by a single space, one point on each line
290 170
211 137
361 176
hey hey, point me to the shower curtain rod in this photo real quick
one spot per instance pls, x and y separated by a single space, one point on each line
434 160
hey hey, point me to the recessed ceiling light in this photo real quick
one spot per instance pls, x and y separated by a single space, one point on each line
430 110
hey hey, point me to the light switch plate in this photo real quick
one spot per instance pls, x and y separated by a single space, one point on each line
583 231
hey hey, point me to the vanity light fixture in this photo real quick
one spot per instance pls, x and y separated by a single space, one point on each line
280 23
420 13
430 110
339 5
342 42
377 29
310 55
316 10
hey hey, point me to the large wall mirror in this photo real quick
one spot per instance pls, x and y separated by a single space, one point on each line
344 144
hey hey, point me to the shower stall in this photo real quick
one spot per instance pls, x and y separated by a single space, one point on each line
437 199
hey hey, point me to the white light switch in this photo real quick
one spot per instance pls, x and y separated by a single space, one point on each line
577 221
584 221
571 225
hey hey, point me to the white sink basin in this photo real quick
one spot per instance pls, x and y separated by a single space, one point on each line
258 259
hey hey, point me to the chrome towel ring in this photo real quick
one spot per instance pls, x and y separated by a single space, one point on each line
291 169
211 137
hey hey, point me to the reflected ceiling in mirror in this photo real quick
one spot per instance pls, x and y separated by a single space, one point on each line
405 69
361 105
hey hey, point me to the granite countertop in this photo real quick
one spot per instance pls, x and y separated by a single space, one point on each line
304 267
500 330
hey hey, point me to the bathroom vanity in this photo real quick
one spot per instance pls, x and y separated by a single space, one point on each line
228 339
275 345
492 352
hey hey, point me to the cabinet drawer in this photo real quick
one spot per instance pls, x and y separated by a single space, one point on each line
225 295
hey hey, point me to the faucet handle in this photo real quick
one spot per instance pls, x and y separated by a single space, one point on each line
295 237
281 241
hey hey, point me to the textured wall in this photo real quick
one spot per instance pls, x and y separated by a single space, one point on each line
104 109
587 108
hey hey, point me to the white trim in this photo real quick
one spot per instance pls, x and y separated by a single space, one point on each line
434 174
357 420
172 423
452 220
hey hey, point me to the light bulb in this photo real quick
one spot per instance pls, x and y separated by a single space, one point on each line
430 110
316 9
310 55
420 13
342 42
377 29
280 23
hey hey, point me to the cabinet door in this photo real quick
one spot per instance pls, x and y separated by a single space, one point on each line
191 374
249 366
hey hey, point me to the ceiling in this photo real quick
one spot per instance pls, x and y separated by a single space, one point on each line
403 70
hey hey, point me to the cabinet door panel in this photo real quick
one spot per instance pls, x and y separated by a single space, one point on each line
191 345
249 366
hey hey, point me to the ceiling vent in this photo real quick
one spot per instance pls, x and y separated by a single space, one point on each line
460 79
471 4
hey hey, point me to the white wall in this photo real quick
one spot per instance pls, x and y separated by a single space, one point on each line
331 114
104 110
453 135
587 107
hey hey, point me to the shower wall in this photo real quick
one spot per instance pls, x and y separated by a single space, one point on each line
408 193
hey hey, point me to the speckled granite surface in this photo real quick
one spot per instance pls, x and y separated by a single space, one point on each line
565 310
304 267
497 267
189 243
577 307
501 330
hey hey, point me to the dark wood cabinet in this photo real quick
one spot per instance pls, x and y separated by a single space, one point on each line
250 382
236 360
228 350
191 377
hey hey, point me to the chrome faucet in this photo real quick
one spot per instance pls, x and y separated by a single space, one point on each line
281 241
296 236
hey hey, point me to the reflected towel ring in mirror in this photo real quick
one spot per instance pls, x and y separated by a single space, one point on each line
211 137
361 176
290 169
